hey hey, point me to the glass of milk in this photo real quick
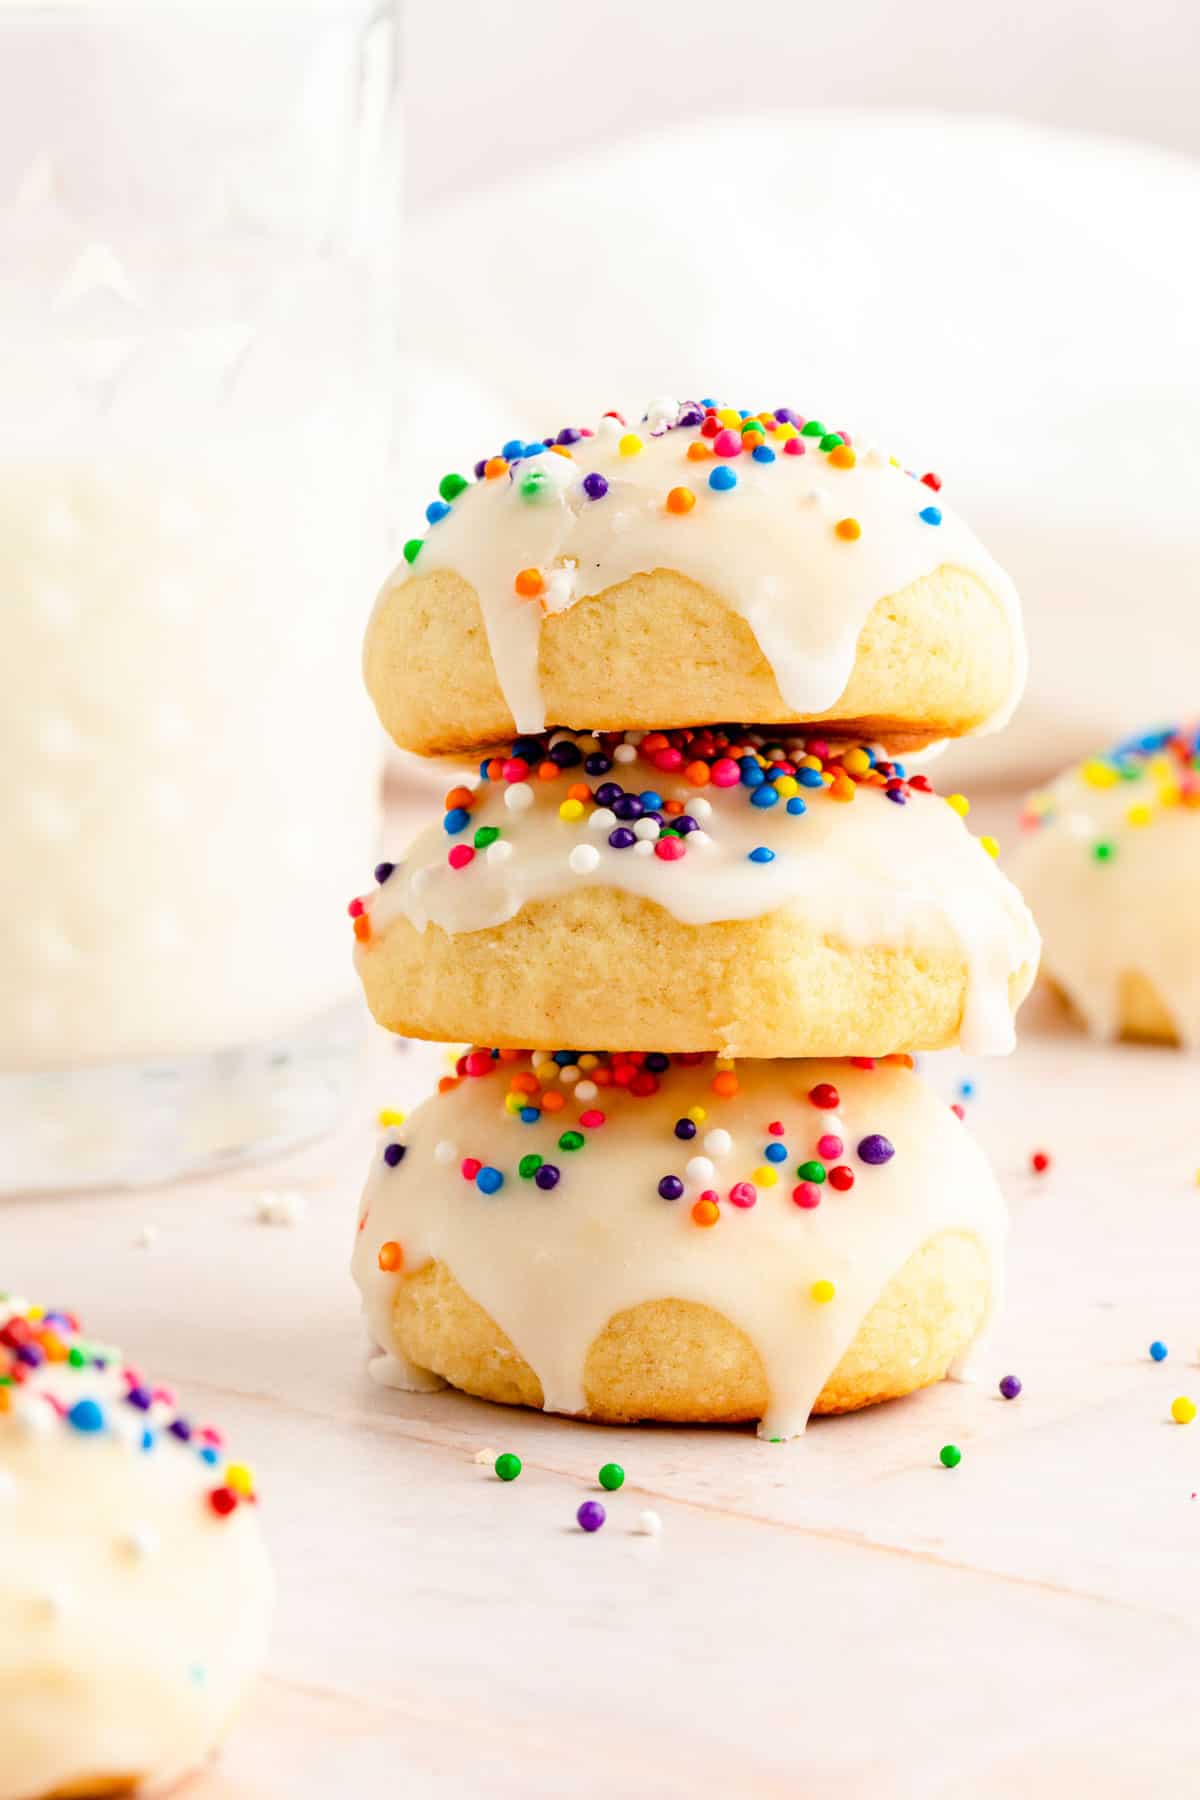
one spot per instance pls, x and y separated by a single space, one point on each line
197 207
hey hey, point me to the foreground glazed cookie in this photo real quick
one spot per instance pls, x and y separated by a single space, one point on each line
1110 864
708 890
135 1593
703 564
649 1237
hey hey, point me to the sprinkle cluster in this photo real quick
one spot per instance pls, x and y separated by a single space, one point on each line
718 438
1160 770
575 1090
34 1339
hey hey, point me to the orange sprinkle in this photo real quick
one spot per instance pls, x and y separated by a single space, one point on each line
447 1084
512 1055
655 740
579 790
698 774
680 500
552 1101
706 1212
561 450
5 1399
460 796
900 1058
524 1083
495 768
698 451
842 456
602 1076
548 771
529 583
391 1257
55 1349
848 530
495 465
674 807
842 788
362 928
726 1083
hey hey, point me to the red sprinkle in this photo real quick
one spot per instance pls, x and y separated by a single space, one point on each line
471 1166
932 481
591 1118
223 1501
460 856
825 1096
670 849
1039 1162
355 909
841 1178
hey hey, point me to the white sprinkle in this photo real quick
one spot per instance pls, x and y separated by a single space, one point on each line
718 1142
584 858
540 1057
146 1236
699 840
643 847
700 808
624 753
518 796
446 1151
498 852
286 1208
560 583
634 737
484 1456
661 414
647 828
874 458
609 429
700 1170
603 819
140 1542
831 1126
586 1090
649 1523
569 1072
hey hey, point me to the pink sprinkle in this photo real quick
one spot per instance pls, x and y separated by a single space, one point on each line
210 1435
818 748
957 1110
794 447
743 1193
670 848
807 1195
478 1062
515 769
131 1376
728 443
355 908
829 1147
471 1166
725 772
460 856
165 1394
776 1128
668 759
591 1118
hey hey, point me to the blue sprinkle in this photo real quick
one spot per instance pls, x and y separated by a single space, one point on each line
761 855
208 1455
764 453
752 775
810 778
1158 1350
530 1115
534 450
489 1180
456 820
965 1089
765 795
564 1058
796 806
436 510
87 1416
932 515
148 1439
514 447
650 799
776 1152
722 479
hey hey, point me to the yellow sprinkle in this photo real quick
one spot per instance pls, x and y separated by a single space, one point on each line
589 1060
1167 794
1183 1410
571 810
958 803
388 1117
1098 774
785 431
726 1062
765 1176
698 1114
239 1478
1139 814
630 444
856 762
810 762
823 1292
895 461
561 450
729 415
990 845
514 1102
786 786
35 1312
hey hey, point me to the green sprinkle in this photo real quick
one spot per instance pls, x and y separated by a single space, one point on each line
811 1171
451 486
487 834
1104 851
571 1140
814 428
533 484
951 1456
754 425
529 1166
830 441
611 1476
508 1466
75 1357
413 549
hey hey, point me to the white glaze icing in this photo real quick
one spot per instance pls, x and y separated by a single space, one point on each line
867 873
768 547
1111 867
552 1268
132 1617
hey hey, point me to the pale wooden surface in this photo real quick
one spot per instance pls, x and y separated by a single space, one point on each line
839 1617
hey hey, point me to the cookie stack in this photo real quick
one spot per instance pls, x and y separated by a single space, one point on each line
743 1204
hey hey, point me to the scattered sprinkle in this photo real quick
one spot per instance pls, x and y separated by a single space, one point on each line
507 1466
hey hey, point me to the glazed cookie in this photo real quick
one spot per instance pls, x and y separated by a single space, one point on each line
710 890
704 564
1111 866
640 1236
135 1593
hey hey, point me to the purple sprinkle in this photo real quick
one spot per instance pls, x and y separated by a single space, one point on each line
876 1149
685 1128
480 466
383 871
1010 1387
628 807
670 1188
393 1155
31 1355
548 1176
179 1428
622 838
568 435
140 1397
595 486
685 823
896 795
591 1515
691 415
657 1063
608 792
597 764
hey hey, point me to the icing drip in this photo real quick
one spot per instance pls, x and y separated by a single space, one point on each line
590 510
552 1265
896 867
1111 866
